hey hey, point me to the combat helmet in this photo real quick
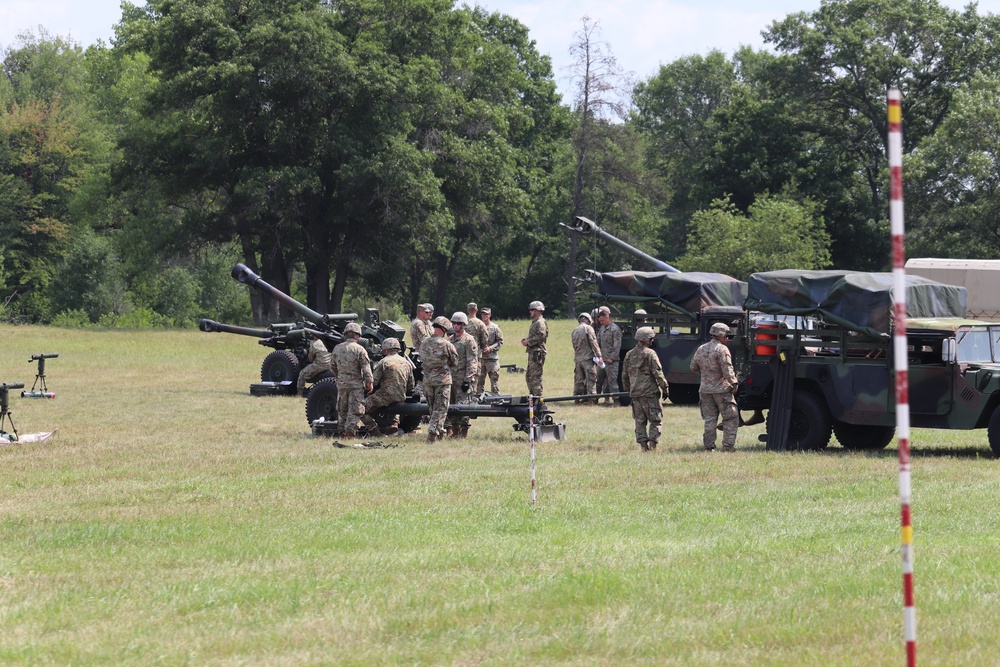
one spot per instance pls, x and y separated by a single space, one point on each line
645 333
536 305
460 318
390 344
718 329
442 323
585 316
352 328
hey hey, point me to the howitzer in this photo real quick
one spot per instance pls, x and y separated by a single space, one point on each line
290 341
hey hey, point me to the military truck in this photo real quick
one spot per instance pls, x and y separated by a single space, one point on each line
837 377
290 341
681 308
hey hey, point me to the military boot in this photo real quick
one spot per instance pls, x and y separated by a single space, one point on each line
431 436
652 445
464 432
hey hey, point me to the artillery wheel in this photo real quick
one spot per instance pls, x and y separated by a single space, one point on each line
863 436
322 401
684 394
993 432
279 366
810 426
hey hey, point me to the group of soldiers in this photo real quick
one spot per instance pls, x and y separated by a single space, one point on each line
596 355
456 365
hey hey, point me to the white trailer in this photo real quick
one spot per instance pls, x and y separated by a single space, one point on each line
980 278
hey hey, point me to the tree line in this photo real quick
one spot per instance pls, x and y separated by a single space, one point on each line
389 152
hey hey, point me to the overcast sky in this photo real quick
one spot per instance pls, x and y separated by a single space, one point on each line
641 33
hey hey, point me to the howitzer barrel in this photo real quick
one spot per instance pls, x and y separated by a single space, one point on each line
212 326
583 397
518 412
242 273
588 227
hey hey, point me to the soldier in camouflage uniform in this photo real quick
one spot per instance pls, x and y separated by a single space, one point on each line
463 376
609 339
718 386
319 362
585 350
643 379
490 354
420 327
439 358
477 329
393 377
534 345
353 370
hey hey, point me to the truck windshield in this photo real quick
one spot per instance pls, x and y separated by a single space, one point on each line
974 346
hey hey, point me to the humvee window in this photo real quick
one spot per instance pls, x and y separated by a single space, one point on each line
974 346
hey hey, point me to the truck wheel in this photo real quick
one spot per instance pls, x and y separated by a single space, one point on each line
811 425
322 401
863 436
279 366
993 432
684 394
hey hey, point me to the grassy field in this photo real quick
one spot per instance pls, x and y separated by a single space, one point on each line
176 520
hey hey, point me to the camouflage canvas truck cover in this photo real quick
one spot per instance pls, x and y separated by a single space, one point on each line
842 368
681 309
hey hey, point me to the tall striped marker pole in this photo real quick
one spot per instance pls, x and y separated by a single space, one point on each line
901 366
531 440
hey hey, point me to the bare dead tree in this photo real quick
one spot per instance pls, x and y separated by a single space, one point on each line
602 93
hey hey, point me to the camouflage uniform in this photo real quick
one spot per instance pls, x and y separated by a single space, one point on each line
465 370
353 370
477 329
319 359
609 339
439 358
584 350
538 333
718 381
419 330
491 359
394 376
642 378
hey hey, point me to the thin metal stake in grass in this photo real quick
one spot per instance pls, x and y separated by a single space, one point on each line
901 366
531 442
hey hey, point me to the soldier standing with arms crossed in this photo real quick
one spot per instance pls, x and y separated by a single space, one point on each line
463 376
718 387
609 339
585 350
534 345
439 359
490 354
644 381
353 370
393 375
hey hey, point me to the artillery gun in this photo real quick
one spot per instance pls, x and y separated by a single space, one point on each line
682 307
290 340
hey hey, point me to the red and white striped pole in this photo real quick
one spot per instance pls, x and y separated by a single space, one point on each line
901 366
531 440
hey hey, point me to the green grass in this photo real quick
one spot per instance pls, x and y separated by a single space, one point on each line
176 520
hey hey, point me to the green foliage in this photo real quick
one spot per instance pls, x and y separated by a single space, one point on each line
776 233
952 186
72 319
91 279
136 318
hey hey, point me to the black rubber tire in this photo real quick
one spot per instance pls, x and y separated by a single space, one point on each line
993 432
279 366
322 401
684 394
863 436
810 426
